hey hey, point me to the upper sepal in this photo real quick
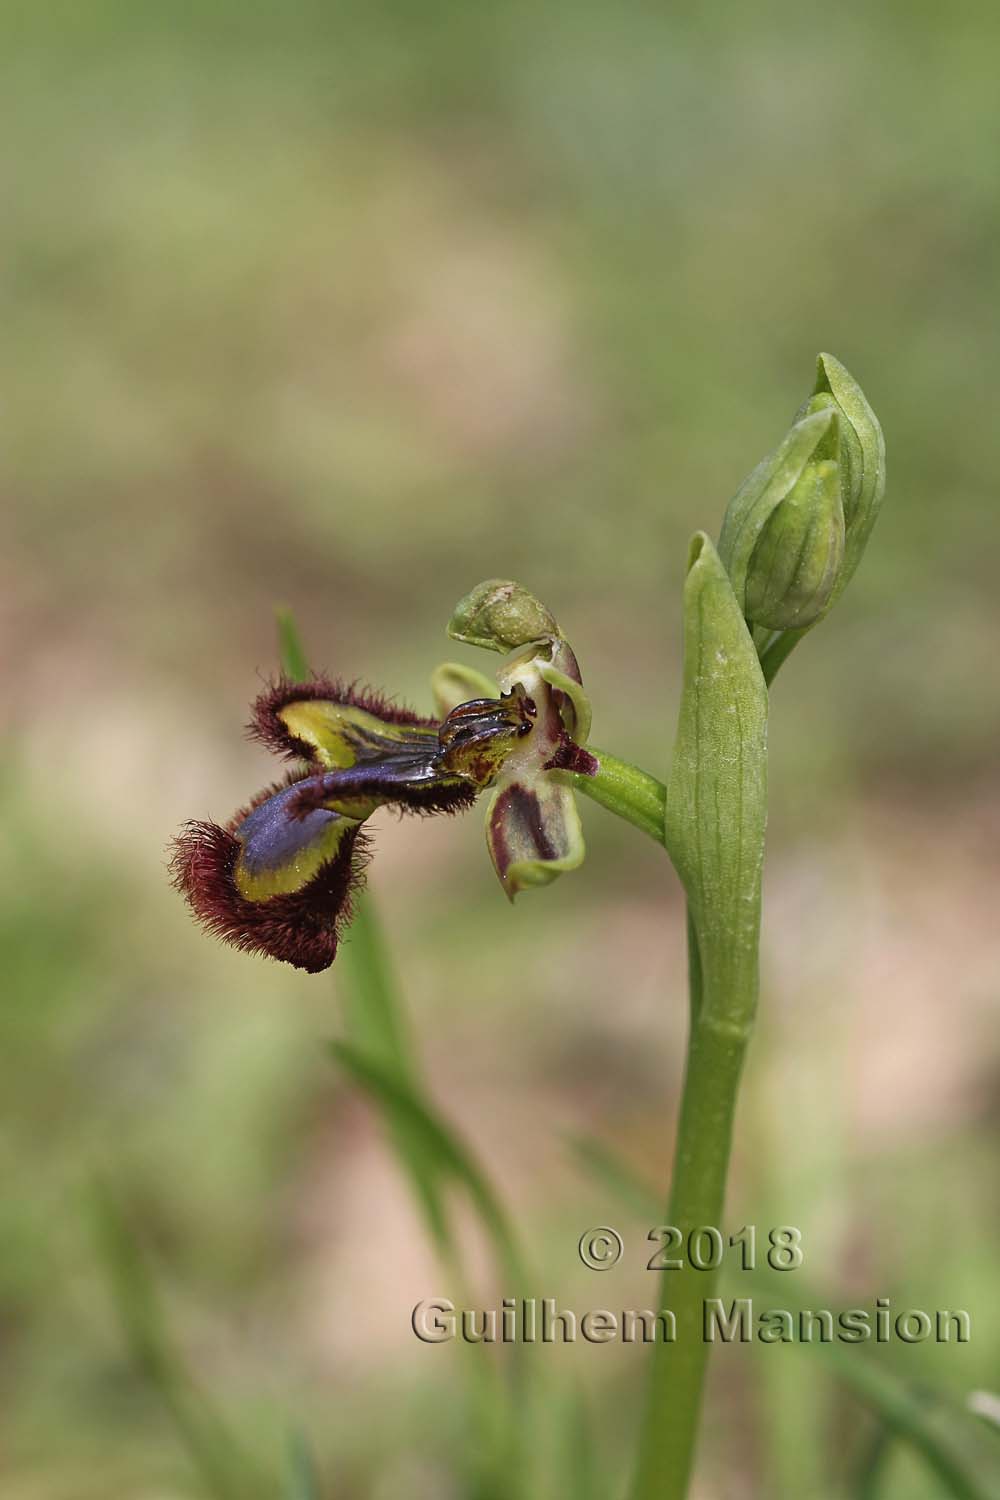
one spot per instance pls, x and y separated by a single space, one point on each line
500 615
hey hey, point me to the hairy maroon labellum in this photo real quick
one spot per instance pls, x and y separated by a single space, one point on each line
300 927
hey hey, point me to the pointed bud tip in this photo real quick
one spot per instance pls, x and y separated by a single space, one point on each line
828 365
696 547
862 454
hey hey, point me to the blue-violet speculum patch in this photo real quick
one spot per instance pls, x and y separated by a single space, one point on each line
278 878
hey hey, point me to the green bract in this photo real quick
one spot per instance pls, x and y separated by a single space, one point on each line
716 806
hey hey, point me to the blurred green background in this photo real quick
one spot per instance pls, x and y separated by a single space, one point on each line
347 306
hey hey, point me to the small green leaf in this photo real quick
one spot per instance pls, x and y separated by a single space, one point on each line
716 807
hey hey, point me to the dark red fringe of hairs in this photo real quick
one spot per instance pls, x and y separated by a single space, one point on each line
269 729
301 928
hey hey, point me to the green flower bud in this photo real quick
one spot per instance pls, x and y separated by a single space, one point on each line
798 557
796 529
810 442
501 616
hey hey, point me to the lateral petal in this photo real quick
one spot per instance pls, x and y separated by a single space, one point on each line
335 724
533 832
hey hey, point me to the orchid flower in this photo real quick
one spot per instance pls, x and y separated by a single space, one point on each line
279 877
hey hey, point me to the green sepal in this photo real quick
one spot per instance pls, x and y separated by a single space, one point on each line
500 615
716 806
862 457
763 491
797 560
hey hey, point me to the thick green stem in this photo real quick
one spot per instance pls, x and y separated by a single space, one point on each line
723 984
722 1011
624 789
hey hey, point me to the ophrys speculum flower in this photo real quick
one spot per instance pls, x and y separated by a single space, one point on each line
278 878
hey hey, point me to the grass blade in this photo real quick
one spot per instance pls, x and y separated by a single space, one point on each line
417 1119
291 651
303 1478
226 1471
377 1030
374 1014
872 1470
